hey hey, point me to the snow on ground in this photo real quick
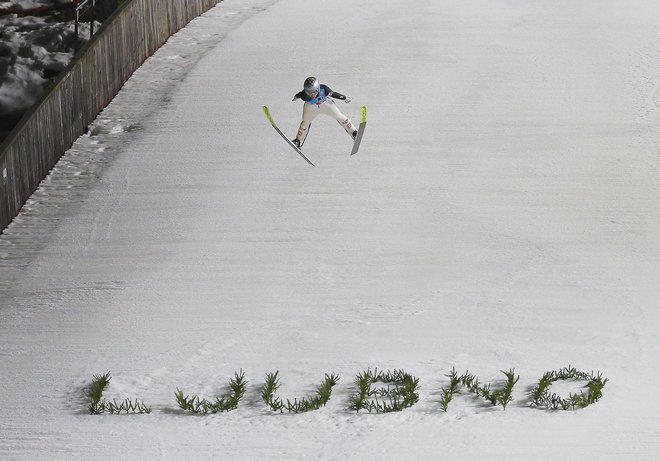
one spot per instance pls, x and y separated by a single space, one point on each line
503 212
33 51
25 4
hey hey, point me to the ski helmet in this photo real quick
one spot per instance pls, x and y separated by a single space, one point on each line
312 87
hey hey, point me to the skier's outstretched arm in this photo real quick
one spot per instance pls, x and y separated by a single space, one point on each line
335 95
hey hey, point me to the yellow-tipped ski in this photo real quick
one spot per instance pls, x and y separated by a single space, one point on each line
364 112
293 146
363 124
268 116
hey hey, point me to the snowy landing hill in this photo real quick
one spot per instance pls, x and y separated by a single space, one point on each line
503 212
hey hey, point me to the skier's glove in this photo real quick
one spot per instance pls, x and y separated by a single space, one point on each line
294 97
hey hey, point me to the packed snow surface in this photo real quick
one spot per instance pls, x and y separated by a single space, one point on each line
503 212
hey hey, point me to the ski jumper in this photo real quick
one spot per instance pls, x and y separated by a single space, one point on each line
321 104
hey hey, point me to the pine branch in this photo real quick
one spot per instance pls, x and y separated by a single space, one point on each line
98 405
193 404
543 398
400 393
320 399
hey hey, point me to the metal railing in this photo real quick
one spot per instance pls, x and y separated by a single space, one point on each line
80 7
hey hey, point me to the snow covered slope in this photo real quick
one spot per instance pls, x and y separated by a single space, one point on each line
503 212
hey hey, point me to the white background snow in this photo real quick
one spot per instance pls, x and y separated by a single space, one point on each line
503 212
33 50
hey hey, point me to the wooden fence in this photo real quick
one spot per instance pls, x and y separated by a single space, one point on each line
132 34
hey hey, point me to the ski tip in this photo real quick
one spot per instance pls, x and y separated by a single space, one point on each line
364 113
268 115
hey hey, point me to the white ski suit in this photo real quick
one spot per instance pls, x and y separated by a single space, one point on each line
322 104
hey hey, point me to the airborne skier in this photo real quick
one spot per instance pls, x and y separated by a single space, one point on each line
316 97
317 100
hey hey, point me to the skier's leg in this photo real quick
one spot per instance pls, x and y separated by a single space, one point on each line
331 109
309 128
310 112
